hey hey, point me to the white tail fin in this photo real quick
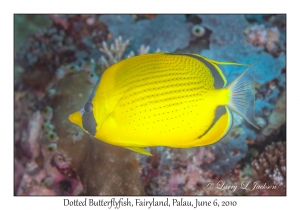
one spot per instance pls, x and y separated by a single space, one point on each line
242 99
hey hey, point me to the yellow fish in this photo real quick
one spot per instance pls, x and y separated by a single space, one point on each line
163 99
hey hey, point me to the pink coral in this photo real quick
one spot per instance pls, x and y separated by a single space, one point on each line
175 180
34 127
257 34
50 179
203 155
261 36
194 176
186 174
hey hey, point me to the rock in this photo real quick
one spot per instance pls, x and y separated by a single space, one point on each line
103 169
278 116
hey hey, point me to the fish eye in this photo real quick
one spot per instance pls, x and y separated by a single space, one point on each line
88 107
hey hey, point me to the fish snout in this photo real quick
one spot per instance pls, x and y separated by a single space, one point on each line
76 118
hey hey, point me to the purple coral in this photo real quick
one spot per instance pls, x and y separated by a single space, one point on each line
56 177
270 166
176 179
178 171
203 155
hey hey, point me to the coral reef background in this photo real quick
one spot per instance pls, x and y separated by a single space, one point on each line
58 59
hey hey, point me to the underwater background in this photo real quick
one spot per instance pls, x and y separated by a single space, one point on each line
58 59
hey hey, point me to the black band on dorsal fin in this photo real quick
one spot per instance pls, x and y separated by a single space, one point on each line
218 80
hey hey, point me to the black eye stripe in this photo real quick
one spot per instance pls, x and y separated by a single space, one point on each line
88 119
89 123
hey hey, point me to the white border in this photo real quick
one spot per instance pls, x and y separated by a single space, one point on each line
8 201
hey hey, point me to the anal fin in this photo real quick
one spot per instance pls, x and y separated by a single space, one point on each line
140 150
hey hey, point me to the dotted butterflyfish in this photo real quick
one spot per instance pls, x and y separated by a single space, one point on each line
163 99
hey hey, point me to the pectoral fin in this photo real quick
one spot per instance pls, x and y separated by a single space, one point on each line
140 150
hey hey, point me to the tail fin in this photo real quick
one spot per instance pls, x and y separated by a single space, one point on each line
242 98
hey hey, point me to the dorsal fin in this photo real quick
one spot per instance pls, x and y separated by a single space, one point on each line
219 78
216 63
